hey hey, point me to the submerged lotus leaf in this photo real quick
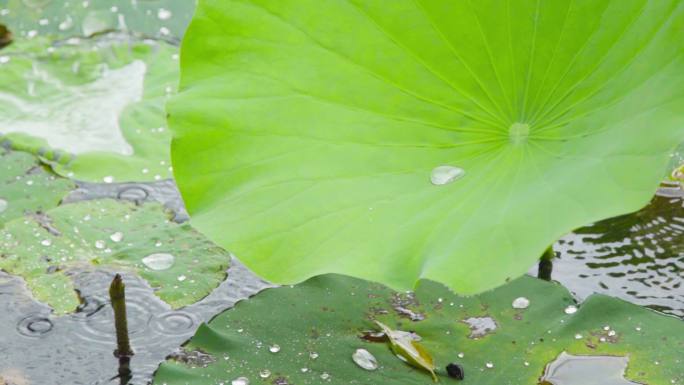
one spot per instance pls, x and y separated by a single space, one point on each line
27 186
320 323
307 143
93 108
180 264
165 19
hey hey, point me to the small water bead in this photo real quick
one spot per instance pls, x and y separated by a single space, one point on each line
163 14
442 175
99 244
274 348
265 373
521 303
160 261
572 309
240 381
116 237
364 359
3 205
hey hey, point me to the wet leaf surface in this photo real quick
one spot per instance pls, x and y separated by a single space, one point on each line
94 108
164 19
27 186
179 263
319 324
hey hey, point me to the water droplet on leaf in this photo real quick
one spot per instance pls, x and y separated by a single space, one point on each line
521 303
442 175
364 359
159 261
265 373
240 381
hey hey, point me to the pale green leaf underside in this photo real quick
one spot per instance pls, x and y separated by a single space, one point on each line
306 131
328 314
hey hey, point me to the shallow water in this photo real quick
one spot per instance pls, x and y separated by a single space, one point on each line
640 259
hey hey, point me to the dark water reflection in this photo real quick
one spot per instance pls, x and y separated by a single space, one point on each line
638 257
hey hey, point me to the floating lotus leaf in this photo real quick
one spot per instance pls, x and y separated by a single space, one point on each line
27 186
319 324
180 264
93 108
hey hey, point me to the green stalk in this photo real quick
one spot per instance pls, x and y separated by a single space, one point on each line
546 264
117 296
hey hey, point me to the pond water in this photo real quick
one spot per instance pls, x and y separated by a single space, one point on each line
640 260
638 257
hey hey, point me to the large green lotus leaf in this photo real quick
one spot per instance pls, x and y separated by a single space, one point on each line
166 19
180 264
327 315
26 186
94 108
306 144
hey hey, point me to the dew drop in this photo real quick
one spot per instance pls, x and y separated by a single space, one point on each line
364 359
240 381
572 309
116 237
160 261
265 373
442 175
274 348
3 205
521 303
163 14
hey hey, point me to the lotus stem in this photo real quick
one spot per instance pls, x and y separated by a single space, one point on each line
117 295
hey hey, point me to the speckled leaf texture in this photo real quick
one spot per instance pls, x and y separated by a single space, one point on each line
306 131
328 315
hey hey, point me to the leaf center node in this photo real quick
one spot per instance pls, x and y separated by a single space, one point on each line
518 132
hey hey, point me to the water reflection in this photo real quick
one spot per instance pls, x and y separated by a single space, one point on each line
76 349
638 257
